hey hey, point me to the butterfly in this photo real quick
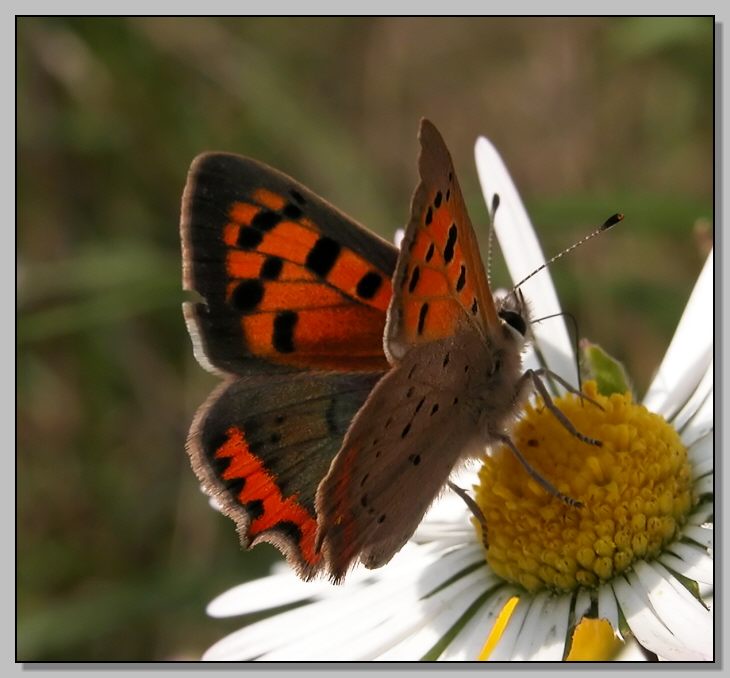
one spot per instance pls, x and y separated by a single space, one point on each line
356 376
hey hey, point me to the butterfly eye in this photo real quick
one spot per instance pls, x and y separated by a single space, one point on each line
514 320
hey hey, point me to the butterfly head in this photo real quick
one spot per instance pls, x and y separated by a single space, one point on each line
514 313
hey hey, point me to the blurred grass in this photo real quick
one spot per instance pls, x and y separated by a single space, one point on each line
118 551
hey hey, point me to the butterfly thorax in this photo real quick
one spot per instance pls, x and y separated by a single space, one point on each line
498 390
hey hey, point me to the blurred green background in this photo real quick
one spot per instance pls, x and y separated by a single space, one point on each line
117 550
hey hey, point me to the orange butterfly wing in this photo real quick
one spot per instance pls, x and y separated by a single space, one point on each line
287 281
439 281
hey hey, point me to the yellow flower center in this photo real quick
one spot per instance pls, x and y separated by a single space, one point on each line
635 490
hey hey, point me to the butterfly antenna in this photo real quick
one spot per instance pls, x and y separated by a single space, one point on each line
490 236
609 223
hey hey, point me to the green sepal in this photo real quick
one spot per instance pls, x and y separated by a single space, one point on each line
608 373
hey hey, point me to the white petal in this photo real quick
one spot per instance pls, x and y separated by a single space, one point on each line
399 617
701 394
631 652
398 237
693 561
702 514
705 485
582 604
549 643
685 618
506 643
265 593
702 449
282 629
530 361
470 641
523 255
701 535
645 626
608 609
701 571
396 615
681 589
422 625
701 423
287 628
689 353
523 644
703 468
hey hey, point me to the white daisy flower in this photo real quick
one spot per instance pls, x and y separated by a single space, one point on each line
637 554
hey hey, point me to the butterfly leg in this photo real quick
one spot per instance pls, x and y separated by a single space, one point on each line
474 508
543 371
506 440
534 375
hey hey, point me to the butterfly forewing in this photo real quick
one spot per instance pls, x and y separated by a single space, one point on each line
286 279
439 283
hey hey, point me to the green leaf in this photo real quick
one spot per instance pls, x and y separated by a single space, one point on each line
606 371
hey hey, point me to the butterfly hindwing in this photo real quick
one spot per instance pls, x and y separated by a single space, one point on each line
287 280
440 284
261 445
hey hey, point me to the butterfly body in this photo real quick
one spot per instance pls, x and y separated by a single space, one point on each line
357 376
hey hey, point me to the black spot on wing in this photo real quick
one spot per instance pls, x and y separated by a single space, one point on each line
289 529
429 253
429 215
368 285
450 243
323 255
249 238
414 278
271 268
437 200
255 508
462 279
235 485
265 220
247 295
284 324
422 317
291 211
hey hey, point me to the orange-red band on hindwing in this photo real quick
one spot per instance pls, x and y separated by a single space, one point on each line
260 486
